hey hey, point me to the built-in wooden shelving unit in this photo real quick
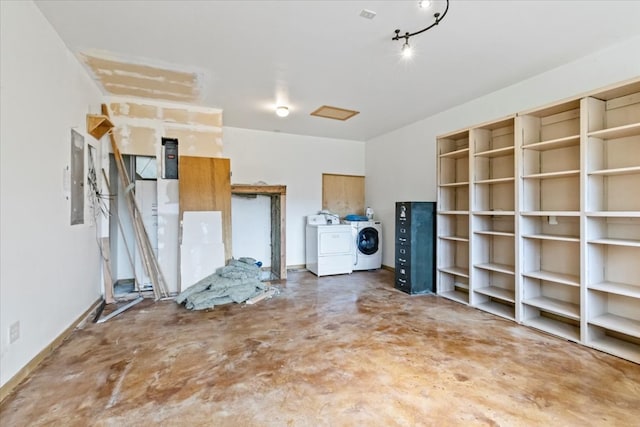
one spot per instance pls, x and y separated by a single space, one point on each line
539 219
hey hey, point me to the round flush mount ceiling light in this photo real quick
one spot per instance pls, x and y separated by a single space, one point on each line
282 111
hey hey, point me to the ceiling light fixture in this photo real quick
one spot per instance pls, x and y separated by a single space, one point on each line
406 49
282 111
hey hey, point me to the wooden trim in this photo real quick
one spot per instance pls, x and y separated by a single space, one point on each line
297 267
262 190
31 366
386 267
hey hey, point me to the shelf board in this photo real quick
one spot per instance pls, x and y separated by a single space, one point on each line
495 233
616 171
565 279
496 292
553 144
616 323
455 238
456 271
552 237
98 125
555 306
617 132
464 286
457 154
614 214
495 180
616 242
453 212
558 174
555 327
496 213
551 213
455 184
461 297
623 289
617 347
504 151
500 268
498 309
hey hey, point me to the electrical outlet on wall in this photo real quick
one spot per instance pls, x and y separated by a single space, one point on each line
14 332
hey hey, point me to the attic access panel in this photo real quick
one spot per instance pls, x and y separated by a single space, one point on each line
335 113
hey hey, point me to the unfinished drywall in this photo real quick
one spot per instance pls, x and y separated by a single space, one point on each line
401 165
49 270
127 78
295 161
140 126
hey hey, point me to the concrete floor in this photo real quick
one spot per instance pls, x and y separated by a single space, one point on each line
336 351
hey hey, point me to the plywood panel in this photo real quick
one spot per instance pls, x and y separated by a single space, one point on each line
343 194
205 185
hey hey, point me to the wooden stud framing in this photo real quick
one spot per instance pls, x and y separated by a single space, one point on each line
278 195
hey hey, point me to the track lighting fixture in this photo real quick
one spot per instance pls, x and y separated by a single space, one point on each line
282 111
406 49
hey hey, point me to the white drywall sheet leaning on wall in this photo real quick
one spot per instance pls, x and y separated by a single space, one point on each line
202 250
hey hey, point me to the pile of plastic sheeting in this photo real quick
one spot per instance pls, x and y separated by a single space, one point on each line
237 282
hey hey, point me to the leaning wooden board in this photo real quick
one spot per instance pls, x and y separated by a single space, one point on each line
205 185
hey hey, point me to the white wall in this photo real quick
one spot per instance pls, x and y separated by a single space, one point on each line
251 237
401 165
50 271
295 161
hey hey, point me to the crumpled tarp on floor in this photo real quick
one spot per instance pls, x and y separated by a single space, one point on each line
237 282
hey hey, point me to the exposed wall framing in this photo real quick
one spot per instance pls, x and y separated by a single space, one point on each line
278 195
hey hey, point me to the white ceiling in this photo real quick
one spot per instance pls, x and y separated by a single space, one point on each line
310 53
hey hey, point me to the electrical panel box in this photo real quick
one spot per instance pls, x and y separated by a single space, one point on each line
169 158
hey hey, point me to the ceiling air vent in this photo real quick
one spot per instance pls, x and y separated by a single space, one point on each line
334 113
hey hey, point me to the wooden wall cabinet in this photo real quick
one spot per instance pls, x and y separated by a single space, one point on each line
539 219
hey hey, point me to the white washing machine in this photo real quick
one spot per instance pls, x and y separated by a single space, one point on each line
367 244
329 247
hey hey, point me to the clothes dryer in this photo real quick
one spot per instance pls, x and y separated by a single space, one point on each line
328 247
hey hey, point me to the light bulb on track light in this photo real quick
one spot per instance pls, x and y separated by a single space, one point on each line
406 50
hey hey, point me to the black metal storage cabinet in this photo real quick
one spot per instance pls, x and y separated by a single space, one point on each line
415 247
